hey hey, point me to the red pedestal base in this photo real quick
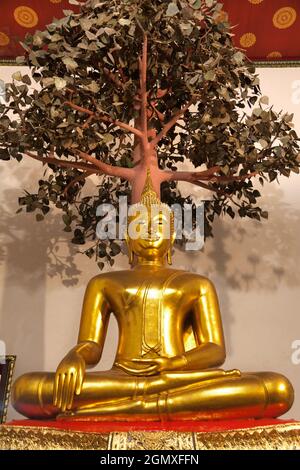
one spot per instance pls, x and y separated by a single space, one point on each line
181 435
179 426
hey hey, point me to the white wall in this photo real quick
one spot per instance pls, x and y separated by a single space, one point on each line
255 267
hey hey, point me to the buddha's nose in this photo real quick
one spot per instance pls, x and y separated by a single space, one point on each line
153 235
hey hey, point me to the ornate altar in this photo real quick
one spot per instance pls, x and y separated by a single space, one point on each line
7 364
218 435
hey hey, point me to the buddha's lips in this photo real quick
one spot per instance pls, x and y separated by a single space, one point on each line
149 243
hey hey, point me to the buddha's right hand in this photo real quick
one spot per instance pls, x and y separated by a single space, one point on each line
68 380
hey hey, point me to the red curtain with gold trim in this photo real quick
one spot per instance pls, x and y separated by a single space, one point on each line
265 29
19 17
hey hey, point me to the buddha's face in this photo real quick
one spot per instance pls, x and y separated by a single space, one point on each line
150 237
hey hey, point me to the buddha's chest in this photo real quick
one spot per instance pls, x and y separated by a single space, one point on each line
151 315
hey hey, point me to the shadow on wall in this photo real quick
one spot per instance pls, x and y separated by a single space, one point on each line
247 255
259 255
30 251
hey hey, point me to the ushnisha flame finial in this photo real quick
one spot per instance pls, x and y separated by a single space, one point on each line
149 196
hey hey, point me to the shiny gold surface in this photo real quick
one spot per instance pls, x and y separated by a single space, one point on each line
170 350
39 438
275 437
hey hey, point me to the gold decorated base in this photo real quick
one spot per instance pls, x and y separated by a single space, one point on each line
279 436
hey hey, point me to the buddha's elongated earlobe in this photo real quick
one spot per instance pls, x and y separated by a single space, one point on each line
130 254
169 256
173 236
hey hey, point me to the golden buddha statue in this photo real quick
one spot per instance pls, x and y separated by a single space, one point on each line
171 347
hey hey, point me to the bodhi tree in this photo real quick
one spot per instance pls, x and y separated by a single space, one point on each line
126 85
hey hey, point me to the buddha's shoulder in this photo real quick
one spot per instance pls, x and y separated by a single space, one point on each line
186 277
178 277
109 277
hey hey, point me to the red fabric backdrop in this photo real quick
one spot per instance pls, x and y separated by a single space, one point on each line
266 29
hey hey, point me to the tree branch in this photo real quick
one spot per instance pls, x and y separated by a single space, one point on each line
122 125
108 119
144 97
143 83
170 124
110 170
206 175
160 115
113 78
79 108
63 163
79 178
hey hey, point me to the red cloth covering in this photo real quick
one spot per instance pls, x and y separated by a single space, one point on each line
184 426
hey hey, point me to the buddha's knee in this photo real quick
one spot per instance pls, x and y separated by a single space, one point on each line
32 395
279 393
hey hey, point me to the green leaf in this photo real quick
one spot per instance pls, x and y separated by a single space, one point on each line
48 81
239 57
93 87
172 9
264 100
20 59
124 22
196 4
17 76
70 63
108 138
60 83
210 75
67 219
115 248
4 154
230 212
263 143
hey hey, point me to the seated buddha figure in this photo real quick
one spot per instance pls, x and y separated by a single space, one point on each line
170 349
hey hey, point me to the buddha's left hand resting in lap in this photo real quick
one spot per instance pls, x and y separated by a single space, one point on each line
169 356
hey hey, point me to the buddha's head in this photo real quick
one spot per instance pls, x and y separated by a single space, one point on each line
150 235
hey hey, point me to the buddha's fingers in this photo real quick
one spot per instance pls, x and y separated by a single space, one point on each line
60 390
79 381
55 391
71 391
224 373
218 373
65 391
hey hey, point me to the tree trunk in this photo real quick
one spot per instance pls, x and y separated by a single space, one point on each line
140 174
